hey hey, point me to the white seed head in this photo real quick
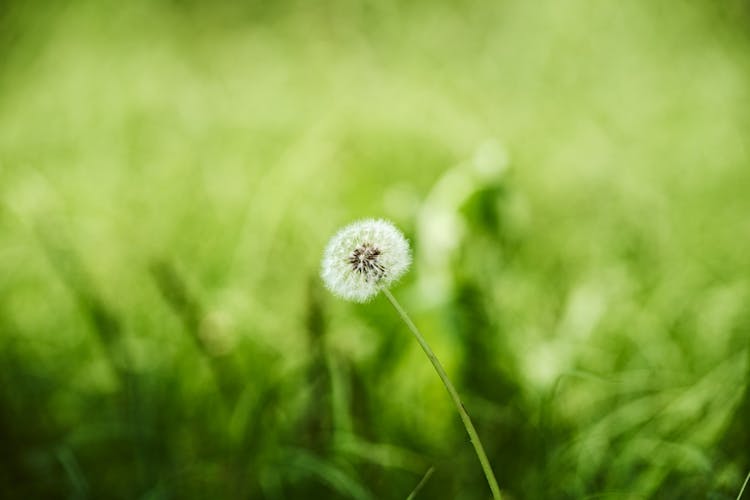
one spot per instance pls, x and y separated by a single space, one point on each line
363 258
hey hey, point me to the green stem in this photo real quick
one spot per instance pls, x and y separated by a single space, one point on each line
454 395
747 478
421 484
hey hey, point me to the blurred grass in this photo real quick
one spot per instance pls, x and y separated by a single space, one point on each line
574 178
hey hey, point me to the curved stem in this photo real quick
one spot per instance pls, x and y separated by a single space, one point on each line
453 393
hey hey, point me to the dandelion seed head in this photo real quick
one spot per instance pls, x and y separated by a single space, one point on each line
363 258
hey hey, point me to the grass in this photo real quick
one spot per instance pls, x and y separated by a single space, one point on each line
573 177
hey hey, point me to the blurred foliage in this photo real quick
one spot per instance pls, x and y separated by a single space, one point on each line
574 177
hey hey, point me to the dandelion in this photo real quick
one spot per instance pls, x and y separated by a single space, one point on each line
364 259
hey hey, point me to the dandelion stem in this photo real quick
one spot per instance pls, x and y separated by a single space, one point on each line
453 393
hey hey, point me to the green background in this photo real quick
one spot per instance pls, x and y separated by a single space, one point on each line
574 177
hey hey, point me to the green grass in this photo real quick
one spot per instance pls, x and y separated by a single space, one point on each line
574 177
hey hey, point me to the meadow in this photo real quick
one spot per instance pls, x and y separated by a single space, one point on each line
573 177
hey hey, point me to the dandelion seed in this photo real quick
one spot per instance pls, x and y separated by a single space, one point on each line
363 258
